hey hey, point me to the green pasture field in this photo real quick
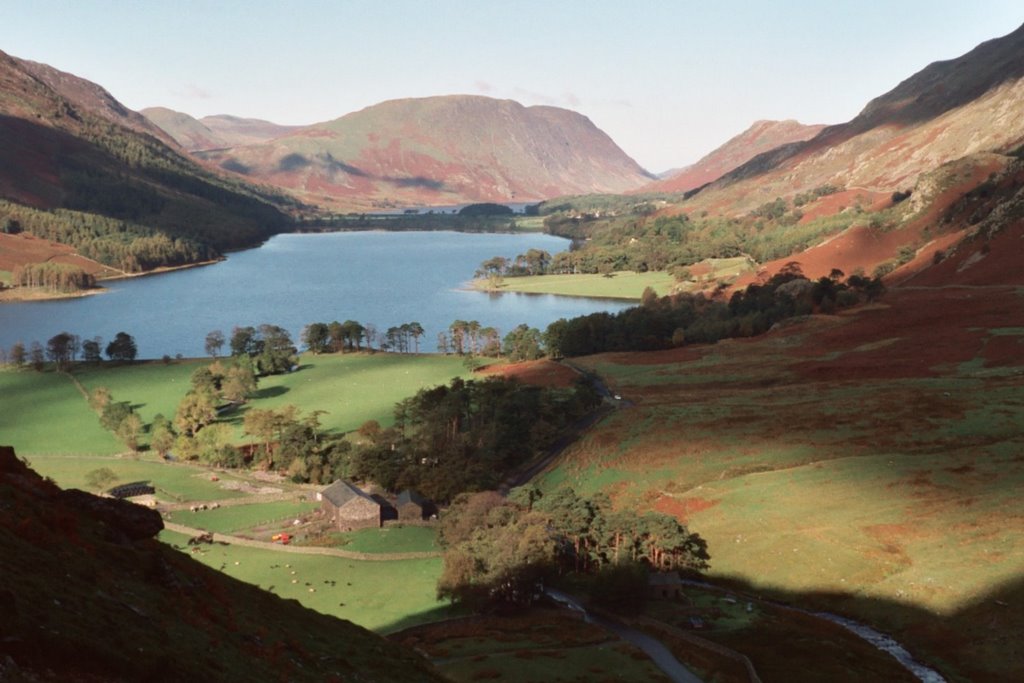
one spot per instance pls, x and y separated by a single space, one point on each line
530 223
380 596
5 277
43 412
391 539
152 387
621 285
174 482
355 387
256 519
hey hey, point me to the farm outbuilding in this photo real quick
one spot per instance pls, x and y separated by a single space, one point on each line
349 507
413 507
664 585
135 488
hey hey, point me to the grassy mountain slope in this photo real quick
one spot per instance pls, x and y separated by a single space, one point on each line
212 132
89 595
762 136
79 168
439 150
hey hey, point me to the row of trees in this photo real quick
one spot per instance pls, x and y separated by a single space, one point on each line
501 549
533 262
57 277
63 349
663 322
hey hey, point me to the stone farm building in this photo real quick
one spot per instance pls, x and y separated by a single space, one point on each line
412 507
664 585
349 507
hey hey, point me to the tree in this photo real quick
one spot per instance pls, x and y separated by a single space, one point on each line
99 398
129 430
239 383
317 337
91 350
416 330
17 355
122 348
100 479
162 436
113 414
37 357
196 410
244 342
214 343
523 343
277 354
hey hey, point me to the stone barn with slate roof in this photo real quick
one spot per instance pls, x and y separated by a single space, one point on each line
349 507
412 507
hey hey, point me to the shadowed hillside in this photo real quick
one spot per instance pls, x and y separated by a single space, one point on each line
79 168
89 595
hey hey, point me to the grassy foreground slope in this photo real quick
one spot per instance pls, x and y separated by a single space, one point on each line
869 462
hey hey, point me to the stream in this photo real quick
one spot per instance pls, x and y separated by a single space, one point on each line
659 654
877 639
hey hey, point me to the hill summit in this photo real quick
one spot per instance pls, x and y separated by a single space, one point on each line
440 150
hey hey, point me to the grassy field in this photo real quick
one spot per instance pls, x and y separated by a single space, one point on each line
862 463
621 285
174 483
43 412
393 539
354 388
376 595
256 519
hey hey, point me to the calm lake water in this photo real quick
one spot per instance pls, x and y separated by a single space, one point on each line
383 278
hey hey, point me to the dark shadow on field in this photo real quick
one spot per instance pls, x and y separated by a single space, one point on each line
981 642
443 612
271 392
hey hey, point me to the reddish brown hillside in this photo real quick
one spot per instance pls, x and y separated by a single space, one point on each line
441 150
948 110
761 137
88 96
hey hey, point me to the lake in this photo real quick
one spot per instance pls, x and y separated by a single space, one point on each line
383 278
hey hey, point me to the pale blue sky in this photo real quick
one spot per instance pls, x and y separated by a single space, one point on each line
668 80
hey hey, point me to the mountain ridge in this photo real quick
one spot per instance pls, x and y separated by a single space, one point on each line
441 150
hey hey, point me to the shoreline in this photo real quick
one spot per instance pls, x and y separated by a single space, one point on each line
472 286
11 295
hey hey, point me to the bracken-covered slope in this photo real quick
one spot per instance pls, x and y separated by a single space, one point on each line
89 595
761 137
213 132
948 110
441 150
113 177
